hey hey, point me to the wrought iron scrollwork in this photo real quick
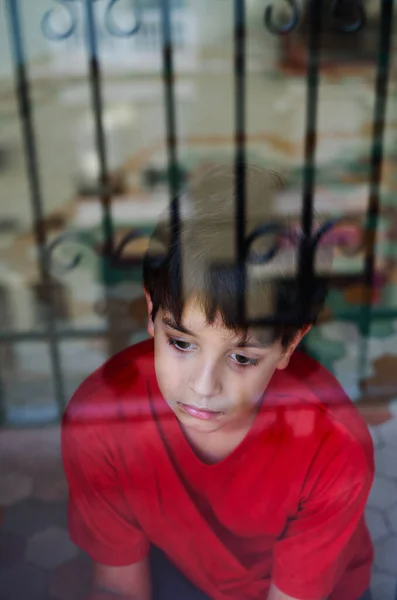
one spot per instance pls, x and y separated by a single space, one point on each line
356 24
349 249
261 231
70 8
46 24
115 257
287 27
115 29
296 237
74 237
323 230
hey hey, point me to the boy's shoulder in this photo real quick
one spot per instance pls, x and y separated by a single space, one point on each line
121 381
308 388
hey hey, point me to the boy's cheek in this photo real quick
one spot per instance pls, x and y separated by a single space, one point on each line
167 370
169 378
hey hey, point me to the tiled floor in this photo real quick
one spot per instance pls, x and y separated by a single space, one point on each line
382 511
37 558
39 562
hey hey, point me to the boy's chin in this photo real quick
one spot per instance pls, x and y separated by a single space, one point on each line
200 425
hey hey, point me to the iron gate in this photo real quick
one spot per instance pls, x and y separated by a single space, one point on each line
112 253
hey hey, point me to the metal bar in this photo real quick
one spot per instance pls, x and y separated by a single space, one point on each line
306 257
23 93
381 91
377 314
37 336
105 194
240 140
97 108
171 130
354 315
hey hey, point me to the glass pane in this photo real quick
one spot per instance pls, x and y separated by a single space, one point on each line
95 133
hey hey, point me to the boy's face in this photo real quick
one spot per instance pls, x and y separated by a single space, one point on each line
207 377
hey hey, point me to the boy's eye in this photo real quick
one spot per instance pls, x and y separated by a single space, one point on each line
180 345
244 361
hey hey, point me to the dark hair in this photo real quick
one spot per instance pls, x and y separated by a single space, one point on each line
201 265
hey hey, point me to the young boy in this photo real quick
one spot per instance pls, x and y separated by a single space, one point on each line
212 461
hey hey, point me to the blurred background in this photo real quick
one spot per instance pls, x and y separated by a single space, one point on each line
75 139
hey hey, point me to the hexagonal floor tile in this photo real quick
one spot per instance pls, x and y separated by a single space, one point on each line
12 548
376 524
51 548
385 555
23 581
72 581
386 461
31 515
50 489
383 493
392 518
14 487
33 452
383 586
39 464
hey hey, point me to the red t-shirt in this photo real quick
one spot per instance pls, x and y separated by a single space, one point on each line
286 505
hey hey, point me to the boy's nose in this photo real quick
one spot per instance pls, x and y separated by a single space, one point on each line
205 381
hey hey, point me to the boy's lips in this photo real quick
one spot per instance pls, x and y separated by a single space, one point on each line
199 413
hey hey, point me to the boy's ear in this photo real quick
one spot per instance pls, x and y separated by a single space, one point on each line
149 303
286 356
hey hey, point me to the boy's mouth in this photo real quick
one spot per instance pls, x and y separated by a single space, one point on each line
199 413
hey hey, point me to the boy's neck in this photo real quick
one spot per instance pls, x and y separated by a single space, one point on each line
218 445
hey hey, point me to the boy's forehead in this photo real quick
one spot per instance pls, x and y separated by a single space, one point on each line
264 335
194 320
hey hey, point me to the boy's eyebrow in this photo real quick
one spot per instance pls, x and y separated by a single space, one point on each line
244 343
171 323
